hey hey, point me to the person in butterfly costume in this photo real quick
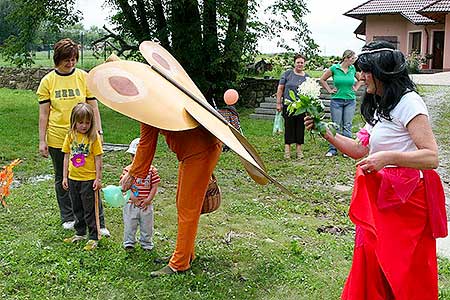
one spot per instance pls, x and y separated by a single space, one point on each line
165 100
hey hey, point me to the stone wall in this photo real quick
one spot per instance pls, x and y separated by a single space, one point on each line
22 78
252 90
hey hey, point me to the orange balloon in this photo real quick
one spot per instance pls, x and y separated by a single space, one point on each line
230 96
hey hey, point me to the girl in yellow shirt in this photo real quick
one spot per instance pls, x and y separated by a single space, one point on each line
82 172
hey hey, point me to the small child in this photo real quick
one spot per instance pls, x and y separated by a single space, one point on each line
139 209
82 172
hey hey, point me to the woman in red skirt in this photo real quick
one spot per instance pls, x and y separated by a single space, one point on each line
398 204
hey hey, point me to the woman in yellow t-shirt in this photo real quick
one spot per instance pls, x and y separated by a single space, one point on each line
59 91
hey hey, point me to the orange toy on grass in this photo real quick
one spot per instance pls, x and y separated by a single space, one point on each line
6 178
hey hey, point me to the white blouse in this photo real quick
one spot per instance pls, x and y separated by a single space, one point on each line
393 135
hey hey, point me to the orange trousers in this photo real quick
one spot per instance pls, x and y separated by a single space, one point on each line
194 173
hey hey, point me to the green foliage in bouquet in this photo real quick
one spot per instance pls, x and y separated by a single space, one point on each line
307 101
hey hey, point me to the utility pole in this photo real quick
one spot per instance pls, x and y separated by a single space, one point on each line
82 47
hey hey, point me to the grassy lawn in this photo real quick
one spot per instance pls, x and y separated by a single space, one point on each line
259 245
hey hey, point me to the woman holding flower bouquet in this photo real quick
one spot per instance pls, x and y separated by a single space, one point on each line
294 127
343 99
398 204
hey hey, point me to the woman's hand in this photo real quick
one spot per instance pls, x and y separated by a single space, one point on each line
43 149
374 162
126 182
332 91
309 122
279 106
309 125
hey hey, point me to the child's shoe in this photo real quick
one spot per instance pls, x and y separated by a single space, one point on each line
129 248
68 225
105 232
91 245
75 239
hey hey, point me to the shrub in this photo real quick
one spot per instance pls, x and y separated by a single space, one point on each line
415 61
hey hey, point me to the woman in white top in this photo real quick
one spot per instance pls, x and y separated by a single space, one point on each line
398 204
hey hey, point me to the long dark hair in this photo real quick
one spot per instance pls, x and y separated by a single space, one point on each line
388 65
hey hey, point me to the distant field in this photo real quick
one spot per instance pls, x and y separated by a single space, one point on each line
45 59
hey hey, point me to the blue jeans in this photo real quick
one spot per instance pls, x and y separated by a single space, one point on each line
342 112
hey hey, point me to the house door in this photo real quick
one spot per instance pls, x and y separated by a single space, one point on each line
438 50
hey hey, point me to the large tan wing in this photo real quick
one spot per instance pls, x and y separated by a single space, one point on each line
137 91
161 60
158 56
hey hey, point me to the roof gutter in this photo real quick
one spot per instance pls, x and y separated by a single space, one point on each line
359 38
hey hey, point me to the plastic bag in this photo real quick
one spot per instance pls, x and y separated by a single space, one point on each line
278 124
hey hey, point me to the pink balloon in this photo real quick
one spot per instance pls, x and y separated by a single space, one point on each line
230 96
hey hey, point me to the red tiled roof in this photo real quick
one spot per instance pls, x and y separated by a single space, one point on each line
407 8
442 6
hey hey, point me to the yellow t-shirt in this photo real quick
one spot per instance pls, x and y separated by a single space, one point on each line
80 145
63 91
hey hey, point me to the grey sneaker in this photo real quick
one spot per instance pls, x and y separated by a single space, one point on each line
68 225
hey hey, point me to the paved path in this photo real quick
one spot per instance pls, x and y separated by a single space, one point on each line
434 102
442 78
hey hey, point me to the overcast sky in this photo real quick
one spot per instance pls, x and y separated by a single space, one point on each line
330 29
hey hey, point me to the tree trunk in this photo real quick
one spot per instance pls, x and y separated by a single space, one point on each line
234 40
141 12
131 23
162 31
187 39
210 46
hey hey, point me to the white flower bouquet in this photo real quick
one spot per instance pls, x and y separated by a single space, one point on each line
307 101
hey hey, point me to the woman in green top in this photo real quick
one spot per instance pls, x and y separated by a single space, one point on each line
343 100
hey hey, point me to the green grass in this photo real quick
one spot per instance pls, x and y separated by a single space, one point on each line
260 244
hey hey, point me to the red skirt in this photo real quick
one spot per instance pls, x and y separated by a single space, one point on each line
395 251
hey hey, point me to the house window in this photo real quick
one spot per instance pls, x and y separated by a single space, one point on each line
391 39
415 42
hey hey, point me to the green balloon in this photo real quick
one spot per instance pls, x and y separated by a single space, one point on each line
114 197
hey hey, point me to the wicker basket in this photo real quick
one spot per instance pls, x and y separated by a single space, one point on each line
213 196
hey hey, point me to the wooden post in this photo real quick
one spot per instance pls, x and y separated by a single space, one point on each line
97 214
